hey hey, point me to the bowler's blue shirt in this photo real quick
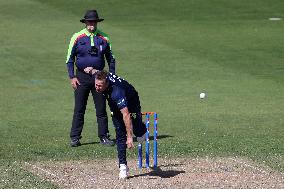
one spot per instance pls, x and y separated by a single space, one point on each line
121 94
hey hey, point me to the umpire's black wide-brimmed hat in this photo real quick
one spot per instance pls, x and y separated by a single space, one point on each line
91 15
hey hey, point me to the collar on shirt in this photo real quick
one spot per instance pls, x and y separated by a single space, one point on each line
89 33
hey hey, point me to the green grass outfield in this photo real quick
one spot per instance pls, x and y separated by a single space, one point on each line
171 51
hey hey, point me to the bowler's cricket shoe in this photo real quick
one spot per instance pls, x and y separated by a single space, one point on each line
123 174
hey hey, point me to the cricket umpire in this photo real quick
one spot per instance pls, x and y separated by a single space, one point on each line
89 47
124 102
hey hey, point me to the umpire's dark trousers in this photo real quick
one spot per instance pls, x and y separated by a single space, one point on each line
81 97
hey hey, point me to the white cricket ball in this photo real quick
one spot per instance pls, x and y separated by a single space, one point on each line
202 95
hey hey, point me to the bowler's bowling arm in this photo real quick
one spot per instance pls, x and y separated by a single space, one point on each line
127 121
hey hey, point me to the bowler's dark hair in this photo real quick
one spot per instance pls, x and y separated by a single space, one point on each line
101 75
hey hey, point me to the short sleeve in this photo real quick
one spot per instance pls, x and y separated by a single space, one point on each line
118 95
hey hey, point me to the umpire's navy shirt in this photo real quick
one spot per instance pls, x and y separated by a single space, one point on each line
121 94
80 46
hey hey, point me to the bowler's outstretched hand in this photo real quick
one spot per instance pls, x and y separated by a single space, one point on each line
129 142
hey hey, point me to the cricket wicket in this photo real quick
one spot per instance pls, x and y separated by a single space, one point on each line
147 145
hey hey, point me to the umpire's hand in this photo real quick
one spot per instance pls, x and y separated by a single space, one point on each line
74 83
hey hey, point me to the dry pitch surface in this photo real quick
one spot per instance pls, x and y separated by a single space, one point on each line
173 173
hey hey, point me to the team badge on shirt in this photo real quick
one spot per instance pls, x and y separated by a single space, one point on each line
121 102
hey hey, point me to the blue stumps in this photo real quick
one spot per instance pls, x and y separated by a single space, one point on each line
155 140
147 145
140 156
147 141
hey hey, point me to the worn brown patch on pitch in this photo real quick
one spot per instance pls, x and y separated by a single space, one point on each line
173 173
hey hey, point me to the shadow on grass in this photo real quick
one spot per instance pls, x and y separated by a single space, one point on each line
88 143
159 137
158 172
134 139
